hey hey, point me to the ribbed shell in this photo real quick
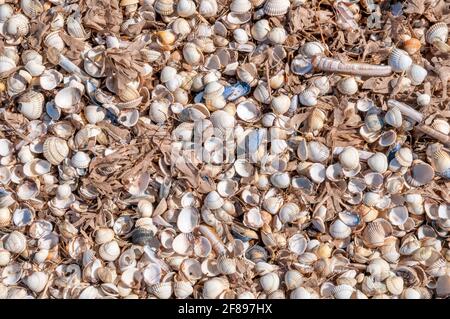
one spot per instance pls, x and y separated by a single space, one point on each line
31 8
55 150
399 60
276 7
164 7
18 25
438 31
31 104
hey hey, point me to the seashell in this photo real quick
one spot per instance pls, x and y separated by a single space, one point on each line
322 83
404 156
443 286
421 174
349 158
416 74
316 120
182 289
277 35
5 256
6 11
293 279
399 60
240 6
343 291
6 65
208 8
439 158
162 290
300 293
248 111
240 36
412 46
423 99
191 53
441 125
280 104
104 235
68 97
261 93
339 230
226 266
80 160
374 234
54 40
75 27
398 215
437 32
260 30
311 49
348 86
31 104
213 200
212 288
6 147
276 7
17 25
297 244
227 187
187 220
164 7
186 8
308 97
55 150
109 251
50 79
34 68
280 180
159 111
394 285
318 152
301 65
15 242
378 163
37 281
5 216
269 282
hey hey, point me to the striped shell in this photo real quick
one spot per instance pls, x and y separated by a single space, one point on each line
31 104
276 7
17 26
164 7
31 8
55 150
399 60
438 31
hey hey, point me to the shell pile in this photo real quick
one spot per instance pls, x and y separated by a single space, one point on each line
224 149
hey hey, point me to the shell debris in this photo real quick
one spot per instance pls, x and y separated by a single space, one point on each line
263 149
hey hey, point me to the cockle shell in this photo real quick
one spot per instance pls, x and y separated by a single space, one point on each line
162 290
318 152
15 242
164 7
378 162
109 251
68 97
441 125
80 160
240 6
6 65
276 7
277 35
187 220
348 86
349 158
31 104
260 30
213 200
394 117
417 74
17 25
6 11
50 79
310 49
339 230
186 8
54 40
37 281
207 8
55 150
308 97
293 279
399 60
404 156
438 31
270 282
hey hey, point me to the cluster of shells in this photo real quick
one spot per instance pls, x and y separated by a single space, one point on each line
338 111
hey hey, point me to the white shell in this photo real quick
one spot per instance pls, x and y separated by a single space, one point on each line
37 281
394 117
339 230
349 158
270 282
260 30
399 60
438 31
212 288
80 160
68 97
50 79
15 242
240 6
240 36
277 35
188 219
276 7
186 8
31 104
280 104
109 251
417 74
378 163
213 200
348 86
293 279
423 99
280 180
308 97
